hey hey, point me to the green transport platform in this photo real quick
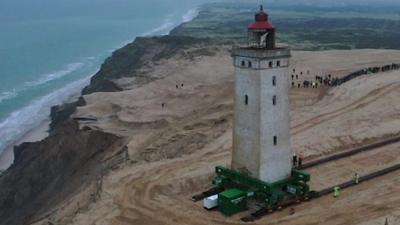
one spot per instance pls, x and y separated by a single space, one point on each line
232 201
239 189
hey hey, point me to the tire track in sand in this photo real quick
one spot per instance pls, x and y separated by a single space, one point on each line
362 102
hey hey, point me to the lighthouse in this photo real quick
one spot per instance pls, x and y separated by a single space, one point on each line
261 171
261 136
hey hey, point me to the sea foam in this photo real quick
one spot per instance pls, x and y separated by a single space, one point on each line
170 22
55 75
6 95
42 80
190 15
164 28
19 122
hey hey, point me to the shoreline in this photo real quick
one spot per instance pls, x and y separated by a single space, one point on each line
36 134
40 131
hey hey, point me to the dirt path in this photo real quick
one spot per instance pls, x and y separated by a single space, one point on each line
161 193
368 203
359 103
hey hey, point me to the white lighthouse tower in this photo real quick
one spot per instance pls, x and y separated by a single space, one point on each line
261 140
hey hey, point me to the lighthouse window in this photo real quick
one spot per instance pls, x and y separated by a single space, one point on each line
275 140
278 63
243 63
246 99
274 100
274 80
270 64
250 64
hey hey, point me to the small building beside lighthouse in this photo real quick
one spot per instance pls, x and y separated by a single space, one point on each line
261 138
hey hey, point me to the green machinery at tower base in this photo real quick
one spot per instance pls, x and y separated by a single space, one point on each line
240 190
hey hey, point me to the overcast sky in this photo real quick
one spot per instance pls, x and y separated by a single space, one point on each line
326 2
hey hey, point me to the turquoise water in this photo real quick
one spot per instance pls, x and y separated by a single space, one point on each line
49 49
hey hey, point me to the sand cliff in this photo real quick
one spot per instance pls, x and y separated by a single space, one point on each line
156 119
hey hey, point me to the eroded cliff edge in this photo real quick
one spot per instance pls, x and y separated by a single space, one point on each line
73 156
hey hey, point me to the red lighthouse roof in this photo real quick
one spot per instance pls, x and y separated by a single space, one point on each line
261 21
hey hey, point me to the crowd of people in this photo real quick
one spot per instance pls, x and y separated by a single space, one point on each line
329 81
370 70
319 81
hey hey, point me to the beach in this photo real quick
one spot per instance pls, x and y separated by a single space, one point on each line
36 134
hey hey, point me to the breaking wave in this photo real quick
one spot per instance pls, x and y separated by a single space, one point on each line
6 95
55 75
32 115
170 22
190 15
18 123
44 79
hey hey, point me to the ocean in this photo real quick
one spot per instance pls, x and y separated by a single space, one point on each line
50 49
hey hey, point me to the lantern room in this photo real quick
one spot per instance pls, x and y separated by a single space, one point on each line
261 32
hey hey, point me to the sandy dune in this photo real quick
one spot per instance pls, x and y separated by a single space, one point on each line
173 149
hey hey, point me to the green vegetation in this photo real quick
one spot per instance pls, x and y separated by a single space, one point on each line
303 27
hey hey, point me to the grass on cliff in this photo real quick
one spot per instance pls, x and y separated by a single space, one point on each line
305 28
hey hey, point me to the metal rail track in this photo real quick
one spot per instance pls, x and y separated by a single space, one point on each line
349 153
216 190
316 194
208 193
